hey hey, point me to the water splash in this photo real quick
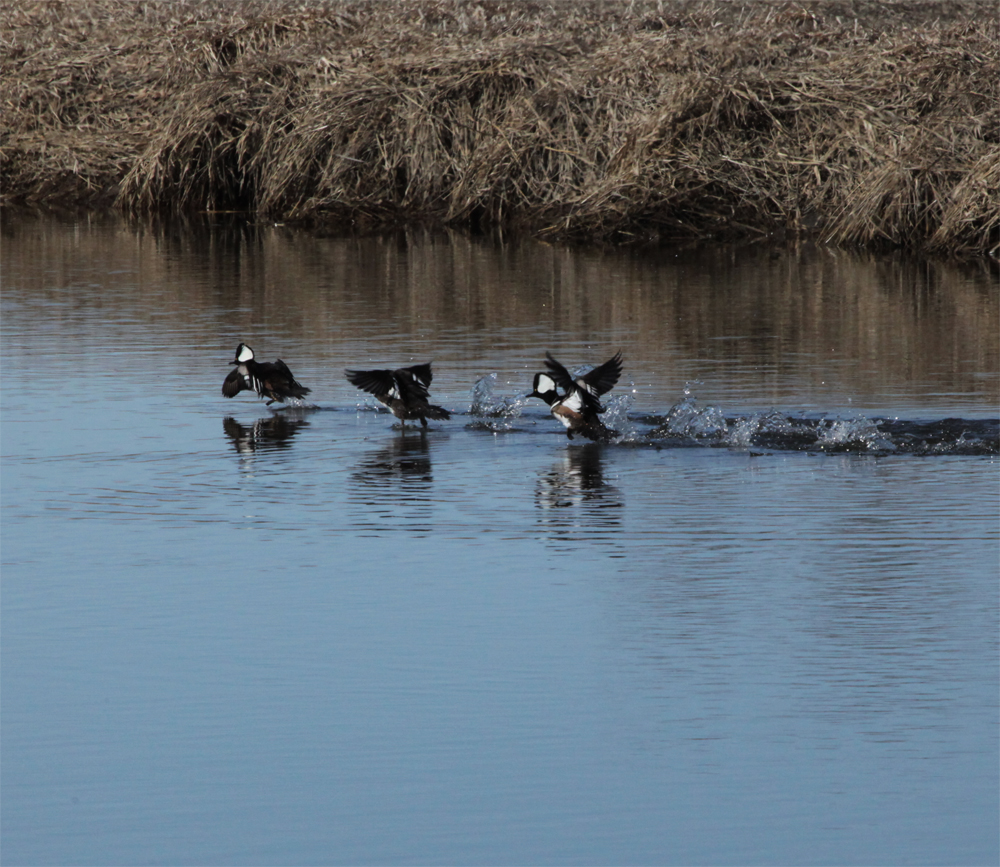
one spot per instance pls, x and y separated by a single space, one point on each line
689 420
947 436
853 434
753 429
864 435
296 403
496 414
616 417
688 423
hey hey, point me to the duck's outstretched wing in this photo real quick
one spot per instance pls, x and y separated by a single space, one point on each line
422 373
560 375
588 387
378 382
412 383
233 384
281 378
602 379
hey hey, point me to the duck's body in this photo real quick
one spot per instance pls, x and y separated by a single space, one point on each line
578 406
404 391
270 380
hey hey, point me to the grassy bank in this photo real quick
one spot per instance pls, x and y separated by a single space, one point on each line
855 122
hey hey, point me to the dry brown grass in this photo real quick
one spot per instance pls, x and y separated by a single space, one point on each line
864 123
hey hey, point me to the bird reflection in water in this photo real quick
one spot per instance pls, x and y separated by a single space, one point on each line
577 501
393 484
265 434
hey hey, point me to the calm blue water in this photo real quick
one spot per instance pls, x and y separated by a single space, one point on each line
232 636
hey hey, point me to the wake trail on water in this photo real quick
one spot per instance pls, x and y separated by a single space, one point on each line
688 424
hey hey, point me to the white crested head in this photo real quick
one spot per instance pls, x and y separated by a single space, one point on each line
544 383
244 353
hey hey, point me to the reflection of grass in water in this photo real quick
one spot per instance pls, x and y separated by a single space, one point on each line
613 122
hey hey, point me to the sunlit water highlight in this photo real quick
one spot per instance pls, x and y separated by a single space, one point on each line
759 628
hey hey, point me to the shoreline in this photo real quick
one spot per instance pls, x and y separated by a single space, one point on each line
857 124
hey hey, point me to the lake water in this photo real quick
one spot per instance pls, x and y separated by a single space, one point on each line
759 628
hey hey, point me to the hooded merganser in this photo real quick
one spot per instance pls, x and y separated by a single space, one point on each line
578 406
272 380
404 391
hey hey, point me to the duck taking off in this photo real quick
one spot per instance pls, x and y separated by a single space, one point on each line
578 405
272 380
404 391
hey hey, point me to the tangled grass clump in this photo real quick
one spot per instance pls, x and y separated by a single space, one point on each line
874 124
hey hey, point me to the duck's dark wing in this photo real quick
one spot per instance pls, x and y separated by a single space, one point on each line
280 368
602 379
377 382
280 377
422 373
233 384
412 383
589 387
560 375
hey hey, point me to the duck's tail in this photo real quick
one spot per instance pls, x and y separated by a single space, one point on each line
436 413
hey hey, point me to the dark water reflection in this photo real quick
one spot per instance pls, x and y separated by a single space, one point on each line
577 505
394 485
264 434
760 629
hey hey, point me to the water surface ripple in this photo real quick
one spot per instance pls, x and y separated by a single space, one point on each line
759 627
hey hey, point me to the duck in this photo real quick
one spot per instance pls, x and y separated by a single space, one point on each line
578 406
272 380
403 390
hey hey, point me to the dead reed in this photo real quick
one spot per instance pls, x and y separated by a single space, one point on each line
874 124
